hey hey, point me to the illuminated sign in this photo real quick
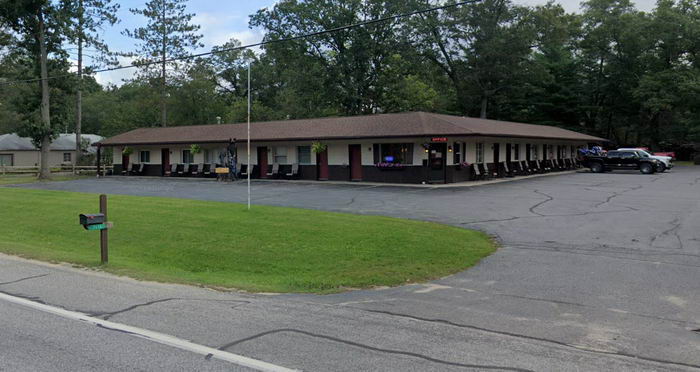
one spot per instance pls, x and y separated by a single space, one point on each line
439 139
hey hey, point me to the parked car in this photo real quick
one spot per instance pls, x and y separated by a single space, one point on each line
667 161
660 153
622 160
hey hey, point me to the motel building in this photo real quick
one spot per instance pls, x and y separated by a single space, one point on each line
415 147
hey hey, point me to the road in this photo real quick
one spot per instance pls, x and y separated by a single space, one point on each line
595 272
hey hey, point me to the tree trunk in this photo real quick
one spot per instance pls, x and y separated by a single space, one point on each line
484 106
45 171
163 94
79 95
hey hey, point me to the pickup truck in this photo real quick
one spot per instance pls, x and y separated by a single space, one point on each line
622 160
666 161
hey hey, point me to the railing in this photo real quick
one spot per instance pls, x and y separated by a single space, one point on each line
68 168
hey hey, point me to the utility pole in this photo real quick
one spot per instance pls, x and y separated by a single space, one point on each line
79 95
45 171
163 105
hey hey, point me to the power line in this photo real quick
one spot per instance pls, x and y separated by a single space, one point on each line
262 43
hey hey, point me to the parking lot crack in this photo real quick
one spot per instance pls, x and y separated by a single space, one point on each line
615 194
541 203
23 279
675 225
373 348
108 315
535 338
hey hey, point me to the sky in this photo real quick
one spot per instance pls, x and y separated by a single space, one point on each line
221 20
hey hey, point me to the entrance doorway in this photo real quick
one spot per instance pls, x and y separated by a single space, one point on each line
436 162
528 150
262 162
165 160
496 153
125 163
508 154
355 155
322 166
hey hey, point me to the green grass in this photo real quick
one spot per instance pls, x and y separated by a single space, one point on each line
268 249
684 163
31 178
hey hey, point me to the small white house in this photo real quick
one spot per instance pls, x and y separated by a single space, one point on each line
16 151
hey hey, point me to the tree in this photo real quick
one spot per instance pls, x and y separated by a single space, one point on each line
341 69
167 35
610 50
39 26
669 89
86 18
231 67
483 48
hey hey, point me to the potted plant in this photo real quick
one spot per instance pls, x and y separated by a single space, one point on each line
318 147
127 151
195 149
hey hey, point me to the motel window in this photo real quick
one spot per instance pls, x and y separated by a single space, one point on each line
6 160
573 152
66 156
304 154
145 157
457 157
535 152
187 157
516 152
279 155
399 153
480 153
550 151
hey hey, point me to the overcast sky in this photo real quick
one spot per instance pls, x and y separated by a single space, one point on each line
223 20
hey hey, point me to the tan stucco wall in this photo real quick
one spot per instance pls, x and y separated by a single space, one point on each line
32 158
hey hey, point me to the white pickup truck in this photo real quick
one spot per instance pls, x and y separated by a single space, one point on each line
666 161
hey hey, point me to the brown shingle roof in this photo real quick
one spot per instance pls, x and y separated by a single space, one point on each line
412 124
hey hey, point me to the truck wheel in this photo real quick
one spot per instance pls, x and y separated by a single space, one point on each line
646 168
597 168
662 167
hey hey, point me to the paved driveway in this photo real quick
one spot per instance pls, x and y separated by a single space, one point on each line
596 271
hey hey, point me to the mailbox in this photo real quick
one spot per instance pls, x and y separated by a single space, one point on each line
93 221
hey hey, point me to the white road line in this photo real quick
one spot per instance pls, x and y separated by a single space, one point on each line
160 338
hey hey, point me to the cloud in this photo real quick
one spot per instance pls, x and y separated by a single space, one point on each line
217 30
117 77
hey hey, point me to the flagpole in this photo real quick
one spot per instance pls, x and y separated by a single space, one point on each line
250 169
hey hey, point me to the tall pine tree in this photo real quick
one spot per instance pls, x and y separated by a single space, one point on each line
167 34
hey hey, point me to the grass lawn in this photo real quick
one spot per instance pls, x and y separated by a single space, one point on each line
268 249
684 163
30 178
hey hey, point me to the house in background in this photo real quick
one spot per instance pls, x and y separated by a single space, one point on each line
16 151
412 147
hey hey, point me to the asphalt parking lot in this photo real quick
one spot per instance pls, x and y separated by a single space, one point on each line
596 271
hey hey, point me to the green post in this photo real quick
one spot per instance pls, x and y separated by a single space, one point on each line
103 232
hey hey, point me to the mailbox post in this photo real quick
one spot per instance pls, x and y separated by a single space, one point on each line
93 222
104 252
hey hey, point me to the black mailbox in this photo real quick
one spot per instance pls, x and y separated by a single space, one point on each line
92 219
